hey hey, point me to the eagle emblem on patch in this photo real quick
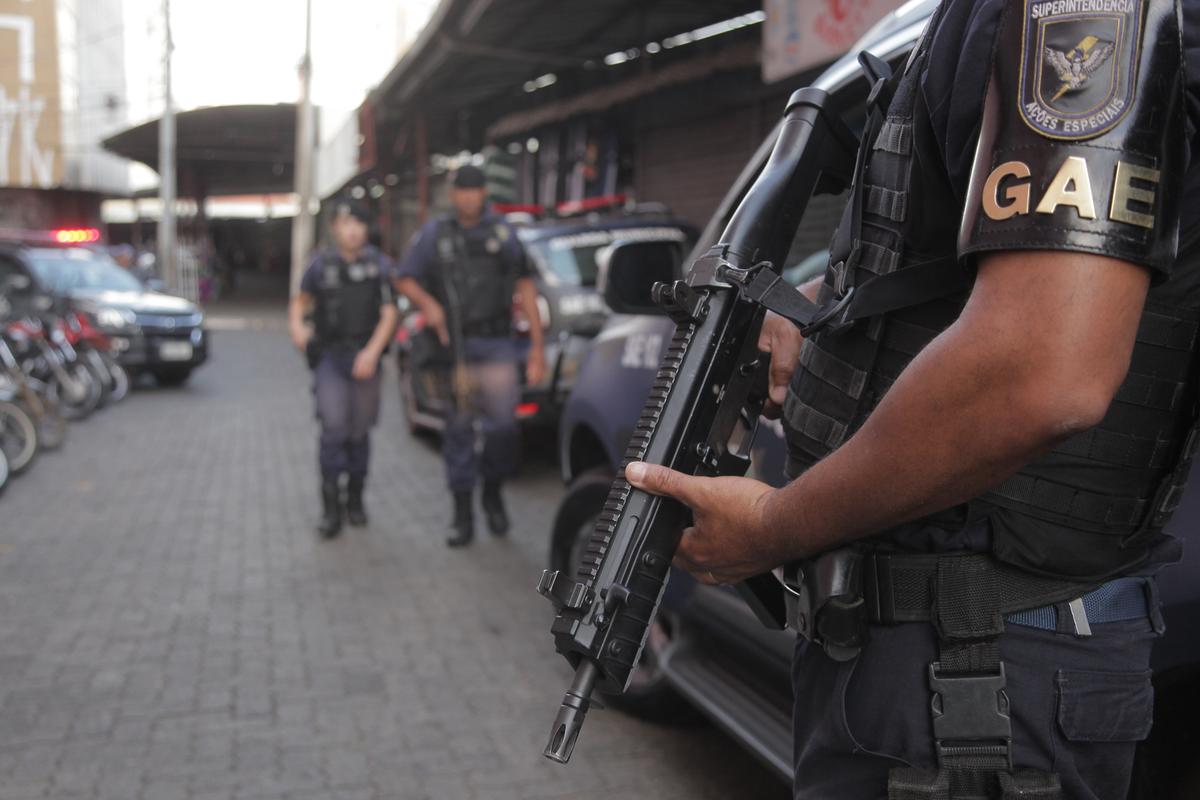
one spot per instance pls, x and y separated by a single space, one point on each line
1079 65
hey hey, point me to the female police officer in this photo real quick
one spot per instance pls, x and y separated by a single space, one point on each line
997 457
347 291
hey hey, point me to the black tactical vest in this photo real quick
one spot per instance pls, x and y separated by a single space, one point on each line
475 282
348 299
1088 509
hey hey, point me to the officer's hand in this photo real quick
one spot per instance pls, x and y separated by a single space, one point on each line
782 339
535 367
727 542
365 364
435 318
300 338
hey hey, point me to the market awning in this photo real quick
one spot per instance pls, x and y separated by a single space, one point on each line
223 150
477 60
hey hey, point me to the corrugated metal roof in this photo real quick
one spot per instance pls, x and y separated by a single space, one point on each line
476 52
247 149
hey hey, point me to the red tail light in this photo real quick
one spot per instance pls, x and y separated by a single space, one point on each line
77 235
525 410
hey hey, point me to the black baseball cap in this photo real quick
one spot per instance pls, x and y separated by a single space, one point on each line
355 209
469 177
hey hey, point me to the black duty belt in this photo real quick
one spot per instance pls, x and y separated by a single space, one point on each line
905 587
899 588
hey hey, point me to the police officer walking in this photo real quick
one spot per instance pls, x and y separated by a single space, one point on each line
346 289
994 457
462 273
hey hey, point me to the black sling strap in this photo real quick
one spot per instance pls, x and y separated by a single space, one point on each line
881 294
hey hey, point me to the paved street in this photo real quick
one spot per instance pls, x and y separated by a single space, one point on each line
171 628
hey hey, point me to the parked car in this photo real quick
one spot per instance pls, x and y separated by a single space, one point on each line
707 652
563 257
150 331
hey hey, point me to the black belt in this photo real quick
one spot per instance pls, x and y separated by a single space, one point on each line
901 587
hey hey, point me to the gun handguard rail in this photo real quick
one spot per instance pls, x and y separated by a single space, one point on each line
700 418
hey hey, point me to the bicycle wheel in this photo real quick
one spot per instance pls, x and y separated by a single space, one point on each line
18 437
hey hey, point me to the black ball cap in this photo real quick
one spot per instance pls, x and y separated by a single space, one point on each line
469 177
354 209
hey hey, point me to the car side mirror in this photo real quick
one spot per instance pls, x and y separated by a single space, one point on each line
627 271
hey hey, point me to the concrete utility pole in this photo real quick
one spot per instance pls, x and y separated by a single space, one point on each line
167 250
302 225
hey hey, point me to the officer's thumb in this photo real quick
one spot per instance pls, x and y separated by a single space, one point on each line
657 479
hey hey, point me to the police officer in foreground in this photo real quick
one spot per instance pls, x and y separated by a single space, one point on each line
993 459
346 289
462 272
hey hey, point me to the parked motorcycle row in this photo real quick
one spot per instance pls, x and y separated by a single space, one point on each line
55 368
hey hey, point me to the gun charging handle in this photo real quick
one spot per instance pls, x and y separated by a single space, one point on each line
569 721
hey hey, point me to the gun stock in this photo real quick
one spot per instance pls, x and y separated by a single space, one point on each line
700 418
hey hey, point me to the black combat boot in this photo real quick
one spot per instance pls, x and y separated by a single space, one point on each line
356 513
331 518
493 508
464 521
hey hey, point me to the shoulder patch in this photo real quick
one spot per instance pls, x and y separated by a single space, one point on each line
1079 65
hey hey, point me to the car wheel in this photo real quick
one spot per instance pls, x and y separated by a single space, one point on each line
649 696
172 376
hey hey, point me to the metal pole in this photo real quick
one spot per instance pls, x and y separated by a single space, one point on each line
302 225
167 251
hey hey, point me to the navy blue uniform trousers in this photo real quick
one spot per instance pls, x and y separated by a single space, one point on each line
347 409
491 401
1079 705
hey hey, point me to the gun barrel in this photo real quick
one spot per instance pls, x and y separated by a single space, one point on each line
569 721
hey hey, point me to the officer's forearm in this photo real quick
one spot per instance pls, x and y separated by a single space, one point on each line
976 405
297 307
411 289
384 330
527 292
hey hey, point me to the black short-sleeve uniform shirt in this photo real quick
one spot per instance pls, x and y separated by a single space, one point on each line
1017 51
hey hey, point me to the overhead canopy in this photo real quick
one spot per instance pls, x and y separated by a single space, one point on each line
224 150
474 58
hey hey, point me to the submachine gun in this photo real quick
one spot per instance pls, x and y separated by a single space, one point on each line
701 415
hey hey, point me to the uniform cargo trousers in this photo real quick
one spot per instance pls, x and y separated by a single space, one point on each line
347 409
489 398
1079 706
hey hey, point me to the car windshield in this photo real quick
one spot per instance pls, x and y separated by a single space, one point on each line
71 269
571 258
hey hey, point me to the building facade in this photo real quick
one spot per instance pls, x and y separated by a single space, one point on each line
62 91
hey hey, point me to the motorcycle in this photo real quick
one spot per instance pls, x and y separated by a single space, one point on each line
96 350
33 397
49 357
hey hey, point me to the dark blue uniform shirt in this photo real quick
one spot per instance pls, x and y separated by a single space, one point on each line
371 258
422 256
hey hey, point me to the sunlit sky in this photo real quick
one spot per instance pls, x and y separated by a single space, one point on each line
248 51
